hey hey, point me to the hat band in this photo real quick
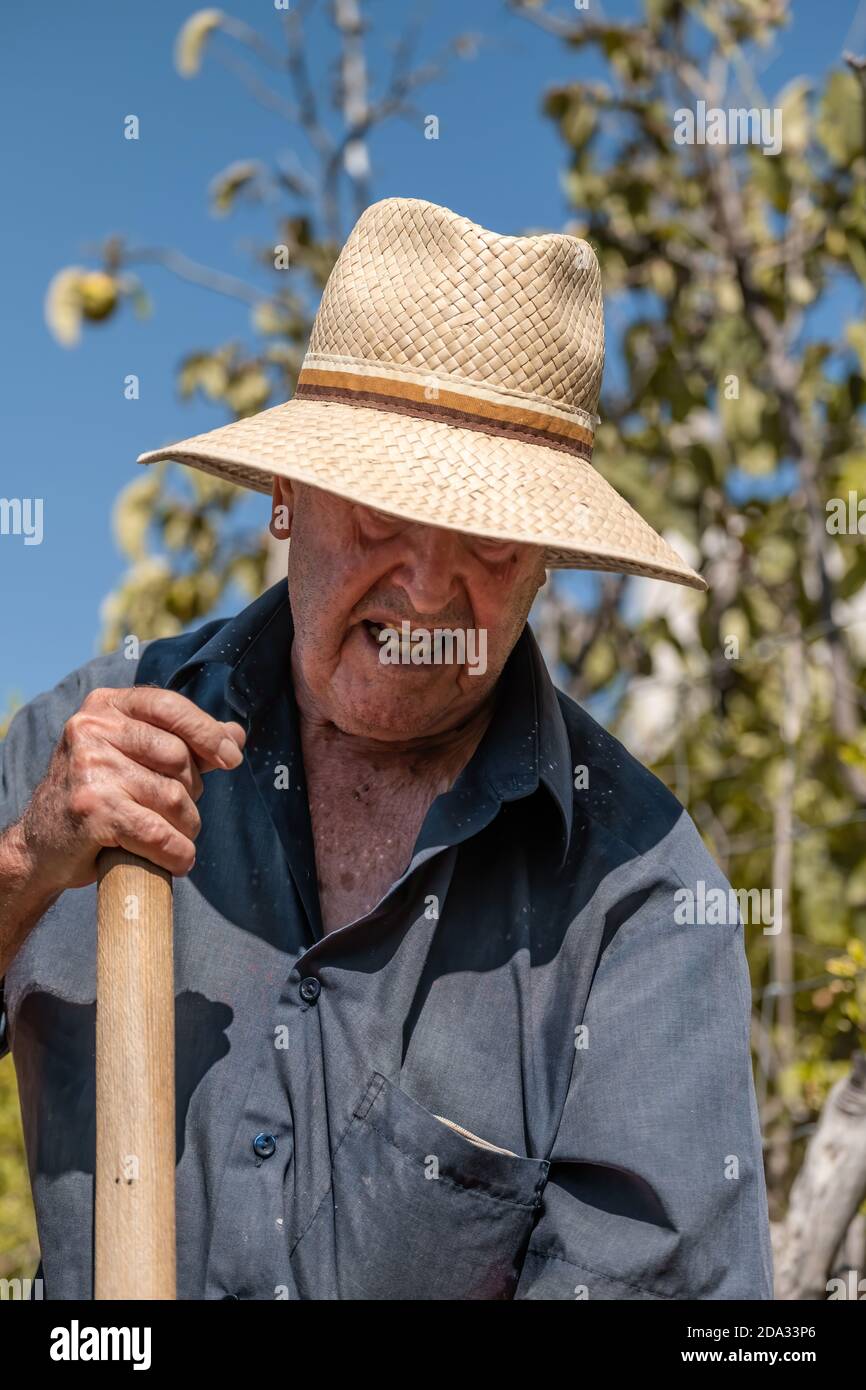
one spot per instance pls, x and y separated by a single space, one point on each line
446 406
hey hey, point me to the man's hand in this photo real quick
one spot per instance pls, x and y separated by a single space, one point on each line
126 772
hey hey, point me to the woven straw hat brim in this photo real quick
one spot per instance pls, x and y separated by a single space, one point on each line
444 476
441 475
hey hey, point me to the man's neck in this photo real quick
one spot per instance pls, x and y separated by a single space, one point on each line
436 760
368 799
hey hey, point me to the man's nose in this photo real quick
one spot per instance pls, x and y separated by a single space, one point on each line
428 572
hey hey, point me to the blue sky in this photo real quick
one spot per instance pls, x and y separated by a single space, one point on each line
72 73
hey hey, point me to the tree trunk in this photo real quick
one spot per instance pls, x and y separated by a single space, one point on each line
826 1193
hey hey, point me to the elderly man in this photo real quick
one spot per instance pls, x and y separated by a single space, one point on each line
440 1034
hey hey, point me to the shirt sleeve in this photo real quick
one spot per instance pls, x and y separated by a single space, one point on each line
656 1187
18 750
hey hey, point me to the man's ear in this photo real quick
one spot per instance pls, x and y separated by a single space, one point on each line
282 507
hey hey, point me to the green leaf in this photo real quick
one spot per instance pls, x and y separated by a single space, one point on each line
248 392
840 119
63 307
856 335
205 372
190 42
242 176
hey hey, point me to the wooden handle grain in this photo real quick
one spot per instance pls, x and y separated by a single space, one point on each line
134 1216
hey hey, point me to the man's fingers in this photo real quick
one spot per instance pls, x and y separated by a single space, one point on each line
237 732
166 796
160 751
146 834
214 743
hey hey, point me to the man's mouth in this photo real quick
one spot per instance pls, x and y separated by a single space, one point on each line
396 643
381 635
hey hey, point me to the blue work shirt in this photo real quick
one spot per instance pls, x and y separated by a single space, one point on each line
516 1077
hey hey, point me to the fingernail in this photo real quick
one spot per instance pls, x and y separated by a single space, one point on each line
229 752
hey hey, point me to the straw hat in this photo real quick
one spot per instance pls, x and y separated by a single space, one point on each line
452 377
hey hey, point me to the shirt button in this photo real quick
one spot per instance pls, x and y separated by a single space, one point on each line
264 1145
310 990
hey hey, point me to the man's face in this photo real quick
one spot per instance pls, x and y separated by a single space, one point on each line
352 568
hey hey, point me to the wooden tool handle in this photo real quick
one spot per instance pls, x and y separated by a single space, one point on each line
134 1247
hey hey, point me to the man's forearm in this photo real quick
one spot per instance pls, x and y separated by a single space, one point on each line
24 895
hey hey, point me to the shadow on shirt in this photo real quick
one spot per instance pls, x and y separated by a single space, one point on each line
60 1049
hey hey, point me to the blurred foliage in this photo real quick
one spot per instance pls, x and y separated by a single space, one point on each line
19 1248
722 268
197 557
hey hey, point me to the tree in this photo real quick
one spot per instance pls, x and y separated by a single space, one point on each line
734 421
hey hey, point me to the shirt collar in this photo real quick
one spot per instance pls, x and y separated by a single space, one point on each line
254 647
525 748
526 745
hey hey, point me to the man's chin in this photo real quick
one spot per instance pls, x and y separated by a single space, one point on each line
393 710
384 723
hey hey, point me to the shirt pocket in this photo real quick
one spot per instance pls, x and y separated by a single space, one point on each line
423 1211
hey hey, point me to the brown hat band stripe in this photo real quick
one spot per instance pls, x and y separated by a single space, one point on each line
449 407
